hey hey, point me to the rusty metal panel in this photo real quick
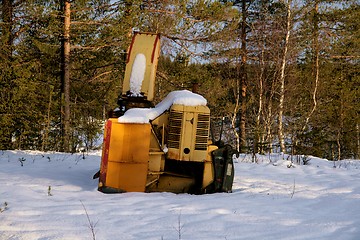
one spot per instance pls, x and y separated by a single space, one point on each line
105 153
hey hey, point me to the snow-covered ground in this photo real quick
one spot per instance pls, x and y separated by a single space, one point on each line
51 195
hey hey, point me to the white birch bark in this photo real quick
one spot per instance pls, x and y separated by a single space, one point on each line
282 79
316 66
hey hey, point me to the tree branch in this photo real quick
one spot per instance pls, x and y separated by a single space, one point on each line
94 47
350 56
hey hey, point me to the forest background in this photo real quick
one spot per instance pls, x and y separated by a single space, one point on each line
280 75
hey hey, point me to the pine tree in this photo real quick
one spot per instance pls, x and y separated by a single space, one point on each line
6 74
334 93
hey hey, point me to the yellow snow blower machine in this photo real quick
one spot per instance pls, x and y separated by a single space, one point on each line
162 148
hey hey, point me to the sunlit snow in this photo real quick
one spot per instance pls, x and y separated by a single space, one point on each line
137 74
181 97
271 199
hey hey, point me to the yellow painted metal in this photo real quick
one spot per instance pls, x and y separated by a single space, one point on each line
128 177
128 156
208 176
171 183
156 161
156 154
147 44
159 125
188 130
133 159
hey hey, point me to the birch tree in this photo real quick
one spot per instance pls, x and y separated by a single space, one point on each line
315 71
282 77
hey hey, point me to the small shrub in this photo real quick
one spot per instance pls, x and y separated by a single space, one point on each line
305 160
49 191
92 225
4 207
22 160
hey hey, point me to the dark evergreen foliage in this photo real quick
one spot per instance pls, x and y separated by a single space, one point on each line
201 50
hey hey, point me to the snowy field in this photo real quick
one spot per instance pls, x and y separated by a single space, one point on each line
53 196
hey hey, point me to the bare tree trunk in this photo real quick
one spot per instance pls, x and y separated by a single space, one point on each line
7 16
243 78
269 135
66 75
48 121
341 126
358 141
269 116
282 80
338 142
234 117
316 61
258 136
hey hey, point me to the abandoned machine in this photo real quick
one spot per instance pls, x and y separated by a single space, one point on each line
162 148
